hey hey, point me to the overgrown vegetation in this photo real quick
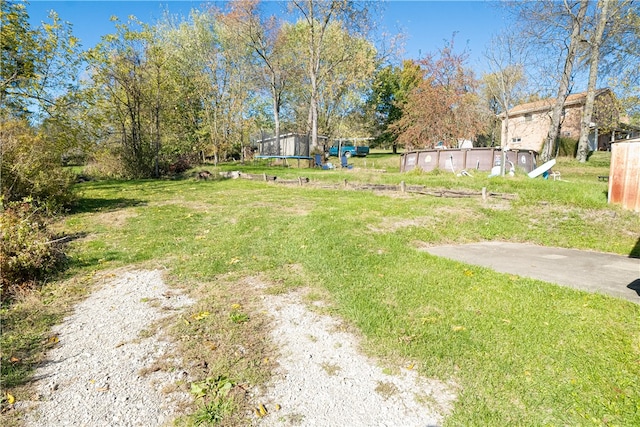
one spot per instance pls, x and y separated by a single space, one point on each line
28 250
31 168
501 338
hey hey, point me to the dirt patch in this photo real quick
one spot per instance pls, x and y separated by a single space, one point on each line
115 219
439 216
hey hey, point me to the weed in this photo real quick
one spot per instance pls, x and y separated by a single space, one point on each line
216 403
386 389
330 368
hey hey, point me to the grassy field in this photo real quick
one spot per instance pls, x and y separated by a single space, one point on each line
521 351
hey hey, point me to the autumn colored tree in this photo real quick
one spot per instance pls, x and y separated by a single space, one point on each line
444 106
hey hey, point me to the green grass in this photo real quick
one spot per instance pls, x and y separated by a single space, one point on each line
522 352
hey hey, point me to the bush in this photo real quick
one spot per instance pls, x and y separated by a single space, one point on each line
28 250
106 164
567 147
31 168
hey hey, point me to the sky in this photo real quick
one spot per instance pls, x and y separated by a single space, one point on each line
426 24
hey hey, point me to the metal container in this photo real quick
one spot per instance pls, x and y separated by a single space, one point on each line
470 159
624 174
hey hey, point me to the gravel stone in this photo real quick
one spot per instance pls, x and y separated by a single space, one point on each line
323 380
93 376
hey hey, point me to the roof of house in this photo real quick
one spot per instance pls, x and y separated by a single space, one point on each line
547 104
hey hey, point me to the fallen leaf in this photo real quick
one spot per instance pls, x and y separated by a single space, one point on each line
10 399
14 360
458 328
263 410
201 315
278 407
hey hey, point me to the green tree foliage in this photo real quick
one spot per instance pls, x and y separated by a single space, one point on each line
316 19
18 50
136 94
31 168
389 94
342 79
37 72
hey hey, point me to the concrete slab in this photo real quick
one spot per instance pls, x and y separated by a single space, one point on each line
611 274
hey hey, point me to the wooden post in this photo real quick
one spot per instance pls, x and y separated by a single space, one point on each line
264 176
300 181
484 193
403 187
345 183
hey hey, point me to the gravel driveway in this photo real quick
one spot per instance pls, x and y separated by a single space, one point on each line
94 377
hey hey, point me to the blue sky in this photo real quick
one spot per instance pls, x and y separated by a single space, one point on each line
427 24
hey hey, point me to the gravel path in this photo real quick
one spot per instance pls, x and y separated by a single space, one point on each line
323 380
93 377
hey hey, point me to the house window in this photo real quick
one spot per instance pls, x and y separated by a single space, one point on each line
528 117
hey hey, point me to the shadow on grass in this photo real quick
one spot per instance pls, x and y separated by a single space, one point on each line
90 205
635 252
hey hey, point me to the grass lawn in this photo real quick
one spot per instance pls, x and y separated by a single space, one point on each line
521 351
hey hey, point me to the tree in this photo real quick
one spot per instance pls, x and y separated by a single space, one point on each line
575 19
37 79
318 15
128 69
444 106
18 50
274 62
503 87
608 38
389 94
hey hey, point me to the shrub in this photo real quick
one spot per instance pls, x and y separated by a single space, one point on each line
28 250
106 164
30 168
567 147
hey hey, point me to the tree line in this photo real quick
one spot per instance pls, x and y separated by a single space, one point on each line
154 99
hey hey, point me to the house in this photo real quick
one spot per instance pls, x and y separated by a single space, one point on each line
528 124
290 144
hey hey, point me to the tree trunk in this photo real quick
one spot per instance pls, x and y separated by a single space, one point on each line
596 40
565 80
276 114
